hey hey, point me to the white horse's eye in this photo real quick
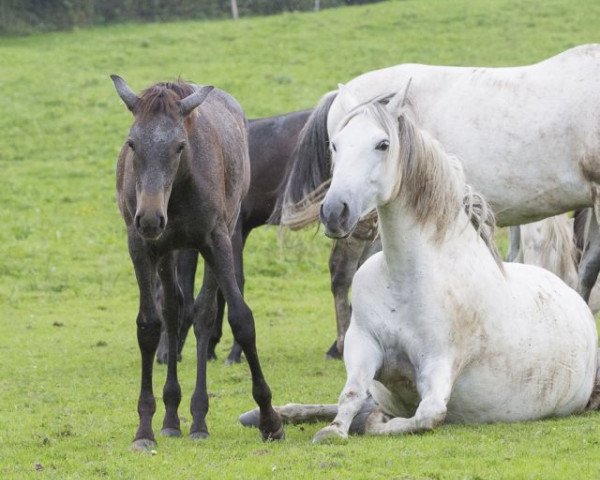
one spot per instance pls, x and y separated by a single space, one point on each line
383 145
333 146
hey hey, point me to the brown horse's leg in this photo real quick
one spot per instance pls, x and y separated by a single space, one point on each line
240 318
173 297
148 334
204 318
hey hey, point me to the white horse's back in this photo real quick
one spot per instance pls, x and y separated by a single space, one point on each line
527 136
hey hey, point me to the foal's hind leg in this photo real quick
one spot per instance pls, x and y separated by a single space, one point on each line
220 258
206 309
172 305
238 241
187 261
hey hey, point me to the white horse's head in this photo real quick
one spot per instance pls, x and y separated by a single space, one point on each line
365 166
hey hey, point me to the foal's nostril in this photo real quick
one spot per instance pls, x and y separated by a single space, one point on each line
137 221
161 222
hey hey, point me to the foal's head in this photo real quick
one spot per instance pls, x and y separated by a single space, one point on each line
157 140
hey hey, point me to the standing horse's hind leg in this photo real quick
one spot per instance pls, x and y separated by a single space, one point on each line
172 304
240 318
343 263
205 313
590 260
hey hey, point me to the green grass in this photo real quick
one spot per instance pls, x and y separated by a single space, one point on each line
68 298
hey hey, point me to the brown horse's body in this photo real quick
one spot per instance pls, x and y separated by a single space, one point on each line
181 178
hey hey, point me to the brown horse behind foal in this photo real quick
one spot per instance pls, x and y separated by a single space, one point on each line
181 176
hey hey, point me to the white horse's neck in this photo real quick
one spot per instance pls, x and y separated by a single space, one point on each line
410 249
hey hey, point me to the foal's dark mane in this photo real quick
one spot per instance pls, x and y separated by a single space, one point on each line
162 98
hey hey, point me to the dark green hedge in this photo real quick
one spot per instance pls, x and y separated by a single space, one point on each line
26 16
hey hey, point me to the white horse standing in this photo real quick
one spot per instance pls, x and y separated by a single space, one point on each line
528 137
441 330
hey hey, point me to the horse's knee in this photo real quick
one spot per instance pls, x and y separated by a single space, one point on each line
431 415
148 332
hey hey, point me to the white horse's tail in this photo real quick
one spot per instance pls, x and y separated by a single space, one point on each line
594 403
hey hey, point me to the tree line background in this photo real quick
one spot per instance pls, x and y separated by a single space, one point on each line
19 17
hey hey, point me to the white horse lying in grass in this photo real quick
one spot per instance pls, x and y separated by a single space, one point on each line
441 330
551 244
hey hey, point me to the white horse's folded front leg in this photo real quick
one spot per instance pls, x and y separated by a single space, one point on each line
435 386
363 359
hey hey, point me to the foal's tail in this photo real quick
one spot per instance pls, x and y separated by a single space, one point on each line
306 182
594 403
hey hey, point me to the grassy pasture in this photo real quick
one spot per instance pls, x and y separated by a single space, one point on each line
68 298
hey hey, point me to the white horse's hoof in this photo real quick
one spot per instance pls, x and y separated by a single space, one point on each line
330 434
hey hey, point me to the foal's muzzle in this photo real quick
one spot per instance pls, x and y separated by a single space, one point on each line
336 218
150 225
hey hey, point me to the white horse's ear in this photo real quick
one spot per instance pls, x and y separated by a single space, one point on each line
394 102
347 98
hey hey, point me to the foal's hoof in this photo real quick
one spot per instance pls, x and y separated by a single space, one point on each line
143 445
170 432
329 434
251 418
272 436
199 435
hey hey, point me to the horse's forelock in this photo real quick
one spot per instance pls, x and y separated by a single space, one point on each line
163 99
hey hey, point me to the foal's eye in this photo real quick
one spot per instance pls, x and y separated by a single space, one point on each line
383 145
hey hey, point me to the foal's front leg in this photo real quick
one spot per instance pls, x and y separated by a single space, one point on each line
148 334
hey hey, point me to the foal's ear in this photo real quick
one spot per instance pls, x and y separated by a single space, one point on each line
347 98
194 100
130 99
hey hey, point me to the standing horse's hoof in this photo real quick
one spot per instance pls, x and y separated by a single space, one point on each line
170 432
272 436
330 434
143 445
199 435
232 361
333 353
